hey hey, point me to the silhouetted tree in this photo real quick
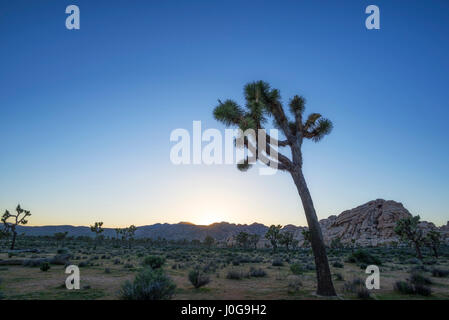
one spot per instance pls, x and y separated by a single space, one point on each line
274 235
286 239
59 237
118 233
254 240
130 233
242 238
336 243
97 229
433 241
209 241
11 221
261 103
408 229
306 235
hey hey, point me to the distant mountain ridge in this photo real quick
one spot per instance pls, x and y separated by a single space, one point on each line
179 231
369 224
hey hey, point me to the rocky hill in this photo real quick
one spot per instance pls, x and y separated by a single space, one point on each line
369 224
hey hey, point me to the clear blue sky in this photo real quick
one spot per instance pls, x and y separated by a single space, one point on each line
86 115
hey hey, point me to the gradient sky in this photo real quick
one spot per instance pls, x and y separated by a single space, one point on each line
86 115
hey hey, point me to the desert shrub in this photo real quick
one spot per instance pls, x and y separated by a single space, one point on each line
236 275
197 279
422 290
293 283
413 261
440 273
337 264
418 279
116 261
363 257
403 287
83 264
277 263
33 262
257 273
236 262
62 251
60 259
149 284
416 284
296 269
363 293
107 270
210 267
430 262
155 262
353 285
45 266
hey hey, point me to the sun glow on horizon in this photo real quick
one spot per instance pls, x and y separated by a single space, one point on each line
208 219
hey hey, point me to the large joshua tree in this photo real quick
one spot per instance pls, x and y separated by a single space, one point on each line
262 103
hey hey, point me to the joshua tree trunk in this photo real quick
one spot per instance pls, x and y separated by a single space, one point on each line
14 235
324 277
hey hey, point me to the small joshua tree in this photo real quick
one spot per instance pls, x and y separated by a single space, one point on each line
286 239
336 243
118 232
209 241
60 237
97 229
274 235
130 232
242 239
11 221
254 240
433 241
408 229
306 235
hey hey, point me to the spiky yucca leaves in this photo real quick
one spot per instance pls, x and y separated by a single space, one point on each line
263 102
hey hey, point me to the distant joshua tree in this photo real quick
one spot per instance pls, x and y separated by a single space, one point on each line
286 239
130 232
336 243
433 241
408 229
97 229
60 237
274 235
209 241
17 219
306 235
242 238
263 102
254 240
118 232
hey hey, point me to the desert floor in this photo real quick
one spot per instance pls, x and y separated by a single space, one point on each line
104 268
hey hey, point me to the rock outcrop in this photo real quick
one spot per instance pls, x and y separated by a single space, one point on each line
369 224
